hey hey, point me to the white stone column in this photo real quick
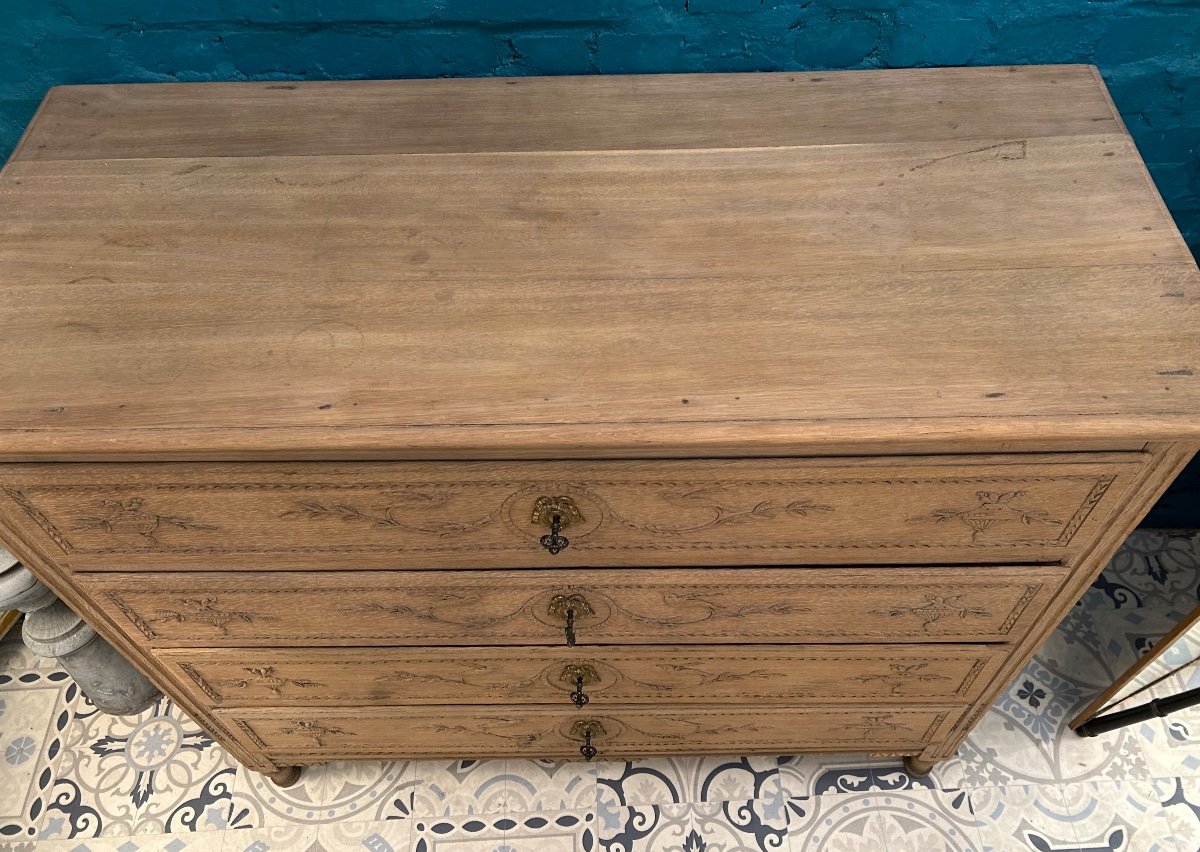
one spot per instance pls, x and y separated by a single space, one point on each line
51 629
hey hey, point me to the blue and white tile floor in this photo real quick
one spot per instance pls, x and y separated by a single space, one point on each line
74 780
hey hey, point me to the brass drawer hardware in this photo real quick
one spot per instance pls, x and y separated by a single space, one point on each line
579 674
568 607
558 513
587 728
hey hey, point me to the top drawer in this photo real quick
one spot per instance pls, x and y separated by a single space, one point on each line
949 509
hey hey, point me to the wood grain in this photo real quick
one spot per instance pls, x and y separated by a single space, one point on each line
1169 460
927 342
1040 286
666 675
630 606
426 515
318 734
597 113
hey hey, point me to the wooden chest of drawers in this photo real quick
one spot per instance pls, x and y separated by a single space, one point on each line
549 417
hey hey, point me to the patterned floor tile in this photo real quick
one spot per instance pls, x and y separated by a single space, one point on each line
835 823
33 717
737 826
208 841
682 780
1023 817
458 788
1180 798
544 785
1118 816
14 656
929 821
393 835
91 844
1132 631
155 772
1153 569
356 790
472 833
562 831
276 838
1172 744
1023 738
889 773
802 776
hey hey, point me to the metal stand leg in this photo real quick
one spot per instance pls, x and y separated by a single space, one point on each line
1155 709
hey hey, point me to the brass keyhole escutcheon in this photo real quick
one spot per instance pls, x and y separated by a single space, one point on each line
557 513
568 607
579 674
589 729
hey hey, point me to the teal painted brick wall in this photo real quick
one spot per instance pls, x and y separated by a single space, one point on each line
1147 50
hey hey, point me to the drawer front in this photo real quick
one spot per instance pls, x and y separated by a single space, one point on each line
416 515
301 735
613 606
602 677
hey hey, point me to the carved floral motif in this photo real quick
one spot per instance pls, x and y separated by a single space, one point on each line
700 677
935 608
870 724
488 728
128 517
901 675
206 611
704 498
723 515
266 678
995 507
315 730
389 516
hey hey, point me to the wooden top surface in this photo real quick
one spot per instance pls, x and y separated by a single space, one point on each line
584 266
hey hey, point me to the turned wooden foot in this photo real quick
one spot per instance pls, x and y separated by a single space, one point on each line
285 776
916 766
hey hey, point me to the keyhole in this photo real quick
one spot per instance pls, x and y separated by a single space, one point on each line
570 627
587 749
554 542
579 697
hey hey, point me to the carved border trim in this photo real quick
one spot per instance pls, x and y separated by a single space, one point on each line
1019 608
1010 621
249 732
41 520
136 619
1102 484
308 698
935 724
204 685
1085 509
965 686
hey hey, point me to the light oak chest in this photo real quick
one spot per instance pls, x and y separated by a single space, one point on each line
616 415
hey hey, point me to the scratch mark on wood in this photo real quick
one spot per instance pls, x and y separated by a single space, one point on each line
1182 372
87 278
319 183
1004 151
127 242
190 169
1174 294
80 326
